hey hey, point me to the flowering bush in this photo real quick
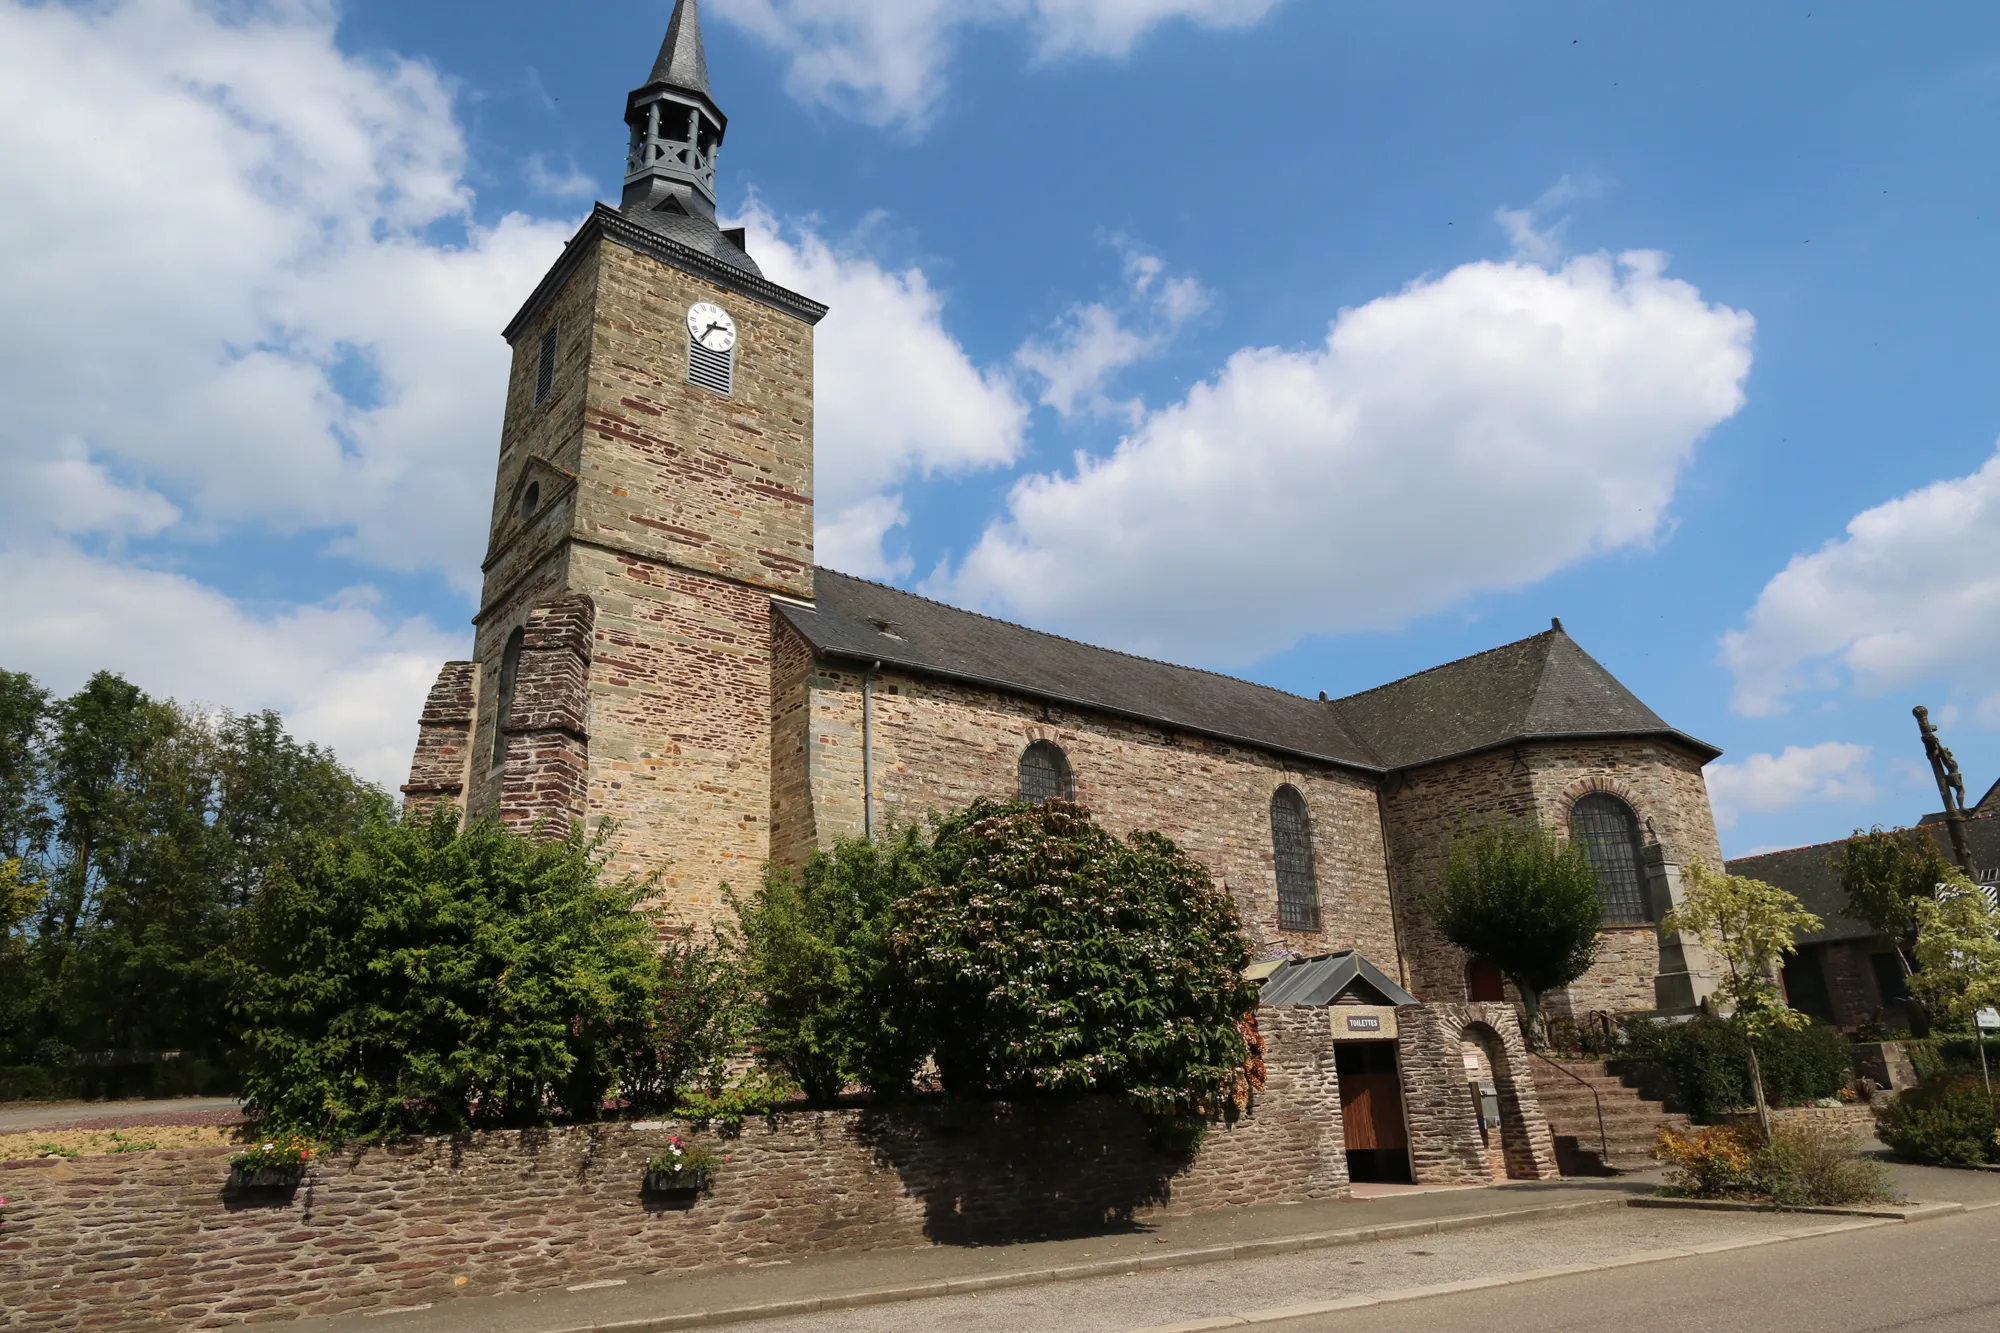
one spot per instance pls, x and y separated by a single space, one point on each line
1719 1162
683 1165
276 1152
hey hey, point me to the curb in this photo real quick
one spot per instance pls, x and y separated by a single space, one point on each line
1280 1313
1916 1212
1074 1272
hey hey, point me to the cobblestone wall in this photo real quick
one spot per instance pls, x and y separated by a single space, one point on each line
146 1240
939 745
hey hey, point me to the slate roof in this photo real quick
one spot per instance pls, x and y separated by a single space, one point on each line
1541 687
682 63
1321 980
1812 875
1536 688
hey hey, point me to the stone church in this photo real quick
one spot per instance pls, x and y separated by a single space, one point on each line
655 646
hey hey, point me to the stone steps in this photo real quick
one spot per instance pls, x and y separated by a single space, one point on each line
1631 1123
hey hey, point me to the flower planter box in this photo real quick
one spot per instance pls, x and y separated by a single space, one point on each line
671 1185
265 1177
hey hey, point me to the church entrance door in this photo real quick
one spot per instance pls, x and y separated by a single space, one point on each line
1371 1111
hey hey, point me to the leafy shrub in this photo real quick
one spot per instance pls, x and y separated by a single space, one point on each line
1708 1061
729 1107
1942 1056
1809 1163
1948 1120
817 952
1815 1163
697 1020
1718 1162
1046 955
416 978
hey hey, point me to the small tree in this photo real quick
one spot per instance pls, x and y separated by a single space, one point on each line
1752 926
1526 901
830 1006
419 978
697 1021
1047 955
1887 874
1958 949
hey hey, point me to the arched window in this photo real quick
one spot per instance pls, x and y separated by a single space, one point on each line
1609 832
1292 849
1045 773
510 667
1483 982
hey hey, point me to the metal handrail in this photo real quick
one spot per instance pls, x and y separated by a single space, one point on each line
1603 1139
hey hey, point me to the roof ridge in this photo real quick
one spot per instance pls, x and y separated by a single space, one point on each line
1457 661
1064 638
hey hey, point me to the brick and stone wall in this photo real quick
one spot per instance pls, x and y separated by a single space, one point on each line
442 765
1422 810
148 1240
546 732
939 745
1445 1143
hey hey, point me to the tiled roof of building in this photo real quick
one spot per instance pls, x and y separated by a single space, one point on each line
1812 874
1541 687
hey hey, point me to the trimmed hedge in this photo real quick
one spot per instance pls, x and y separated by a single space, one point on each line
1708 1060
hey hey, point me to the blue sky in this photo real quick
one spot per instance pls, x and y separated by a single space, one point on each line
250 317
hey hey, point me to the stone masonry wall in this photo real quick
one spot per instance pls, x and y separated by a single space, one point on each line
441 766
793 831
1422 810
146 1240
547 729
939 745
1445 1143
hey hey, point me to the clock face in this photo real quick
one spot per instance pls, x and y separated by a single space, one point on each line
711 327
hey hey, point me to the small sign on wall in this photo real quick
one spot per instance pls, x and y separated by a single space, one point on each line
1357 1022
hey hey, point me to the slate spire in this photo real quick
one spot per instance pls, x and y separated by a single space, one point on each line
676 126
682 63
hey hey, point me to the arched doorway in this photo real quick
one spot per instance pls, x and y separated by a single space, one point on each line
1490 1084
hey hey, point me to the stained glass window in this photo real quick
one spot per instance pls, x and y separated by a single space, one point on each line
1609 833
1045 773
1292 847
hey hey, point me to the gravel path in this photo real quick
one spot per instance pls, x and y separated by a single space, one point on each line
22 1117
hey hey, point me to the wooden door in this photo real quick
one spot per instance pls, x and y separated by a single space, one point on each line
1371 1110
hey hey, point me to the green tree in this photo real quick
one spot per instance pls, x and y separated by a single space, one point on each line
1046 955
698 1019
816 947
19 897
1886 874
24 818
1526 901
1958 950
416 977
1752 927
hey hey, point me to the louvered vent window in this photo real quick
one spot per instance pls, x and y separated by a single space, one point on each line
712 370
1045 773
545 368
1292 846
1609 833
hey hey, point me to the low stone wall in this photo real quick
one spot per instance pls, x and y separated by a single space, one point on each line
1858 1117
150 1239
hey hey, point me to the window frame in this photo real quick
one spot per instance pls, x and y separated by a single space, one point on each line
1064 771
1601 848
1295 867
545 363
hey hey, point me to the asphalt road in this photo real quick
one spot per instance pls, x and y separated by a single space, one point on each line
1940 1276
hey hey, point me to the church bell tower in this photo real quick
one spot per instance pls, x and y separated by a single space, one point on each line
654 494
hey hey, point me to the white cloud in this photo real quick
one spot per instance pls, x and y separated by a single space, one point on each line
343 673
1830 771
1905 595
191 265
1475 431
1092 343
567 182
883 61
1535 237
894 394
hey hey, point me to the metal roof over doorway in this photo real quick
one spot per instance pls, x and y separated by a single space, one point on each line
1332 978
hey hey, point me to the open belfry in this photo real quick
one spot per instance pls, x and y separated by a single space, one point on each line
655 647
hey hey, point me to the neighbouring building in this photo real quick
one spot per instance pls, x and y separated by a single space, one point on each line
655 646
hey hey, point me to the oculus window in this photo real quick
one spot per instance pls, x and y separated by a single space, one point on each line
1292 852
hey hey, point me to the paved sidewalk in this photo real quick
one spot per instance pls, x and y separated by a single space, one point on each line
650 1301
